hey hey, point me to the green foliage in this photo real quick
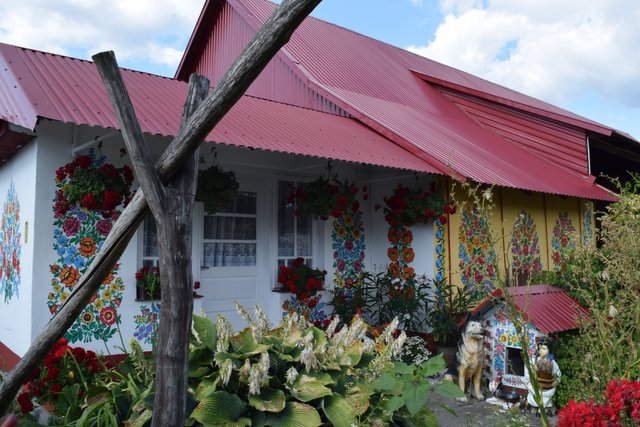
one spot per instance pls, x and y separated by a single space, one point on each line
216 188
325 197
606 280
406 390
296 374
451 303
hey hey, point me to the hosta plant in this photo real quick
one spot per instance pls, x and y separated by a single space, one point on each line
291 375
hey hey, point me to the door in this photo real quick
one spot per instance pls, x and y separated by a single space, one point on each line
232 254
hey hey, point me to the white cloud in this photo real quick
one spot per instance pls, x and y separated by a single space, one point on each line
418 3
545 48
155 31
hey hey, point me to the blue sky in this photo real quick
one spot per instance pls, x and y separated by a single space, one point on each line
581 55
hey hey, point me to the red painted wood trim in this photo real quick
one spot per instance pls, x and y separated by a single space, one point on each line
8 359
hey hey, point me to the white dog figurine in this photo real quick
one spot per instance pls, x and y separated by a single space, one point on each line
469 358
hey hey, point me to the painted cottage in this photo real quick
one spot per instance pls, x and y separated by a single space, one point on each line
380 115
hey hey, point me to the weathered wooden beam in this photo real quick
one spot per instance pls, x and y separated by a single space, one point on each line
172 208
271 37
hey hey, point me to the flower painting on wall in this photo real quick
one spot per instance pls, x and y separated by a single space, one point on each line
10 245
477 256
79 233
525 250
562 240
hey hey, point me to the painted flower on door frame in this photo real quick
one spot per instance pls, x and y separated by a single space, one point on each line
10 245
525 250
348 244
78 235
562 240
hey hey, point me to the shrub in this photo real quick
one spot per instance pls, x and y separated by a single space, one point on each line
295 374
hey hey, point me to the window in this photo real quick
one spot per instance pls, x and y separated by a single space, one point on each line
295 233
515 364
150 256
230 236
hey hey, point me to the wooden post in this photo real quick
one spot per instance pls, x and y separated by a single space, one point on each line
271 37
172 209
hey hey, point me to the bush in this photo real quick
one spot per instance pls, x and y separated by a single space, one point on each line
605 280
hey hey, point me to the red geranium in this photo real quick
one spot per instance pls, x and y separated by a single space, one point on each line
301 280
408 206
92 184
325 197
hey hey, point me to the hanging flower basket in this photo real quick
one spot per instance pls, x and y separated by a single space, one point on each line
91 184
407 206
325 197
216 188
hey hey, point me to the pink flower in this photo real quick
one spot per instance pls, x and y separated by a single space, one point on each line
104 226
71 226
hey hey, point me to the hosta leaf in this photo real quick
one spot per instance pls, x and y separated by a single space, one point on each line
322 377
244 346
269 400
358 398
205 331
295 415
338 411
415 396
219 409
307 388
352 355
449 389
206 388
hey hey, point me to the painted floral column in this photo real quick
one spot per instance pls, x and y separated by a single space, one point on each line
10 245
562 240
348 244
477 256
80 231
525 250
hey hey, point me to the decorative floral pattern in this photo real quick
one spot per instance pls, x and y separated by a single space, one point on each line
400 253
10 245
562 240
477 257
78 235
524 249
587 234
313 311
440 251
147 323
347 241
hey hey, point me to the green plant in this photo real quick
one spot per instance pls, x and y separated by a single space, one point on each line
450 305
407 206
216 188
405 391
414 351
294 374
325 197
89 182
148 281
353 299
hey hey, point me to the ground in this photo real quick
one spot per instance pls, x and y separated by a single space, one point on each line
480 414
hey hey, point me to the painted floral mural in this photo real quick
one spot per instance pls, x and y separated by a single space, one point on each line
78 235
147 323
562 239
477 257
525 249
440 251
347 241
10 245
587 233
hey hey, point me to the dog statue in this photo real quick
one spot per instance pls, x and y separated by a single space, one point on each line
469 358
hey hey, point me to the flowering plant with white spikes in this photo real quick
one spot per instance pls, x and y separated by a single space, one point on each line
293 373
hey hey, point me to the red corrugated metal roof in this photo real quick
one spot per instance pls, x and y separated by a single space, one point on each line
548 308
41 85
384 87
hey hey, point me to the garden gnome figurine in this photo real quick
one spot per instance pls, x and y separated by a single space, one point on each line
547 372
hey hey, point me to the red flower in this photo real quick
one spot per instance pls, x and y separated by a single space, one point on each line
56 388
88 201
108 316
83 161
110 199
25 402
298 262
443 219
337 212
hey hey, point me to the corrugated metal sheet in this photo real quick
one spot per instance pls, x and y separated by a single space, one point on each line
378 84
558 143
550 309
43 85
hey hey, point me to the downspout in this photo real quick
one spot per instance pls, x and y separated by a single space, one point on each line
588 156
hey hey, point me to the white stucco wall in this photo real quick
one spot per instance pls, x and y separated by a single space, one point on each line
15 315
54 148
